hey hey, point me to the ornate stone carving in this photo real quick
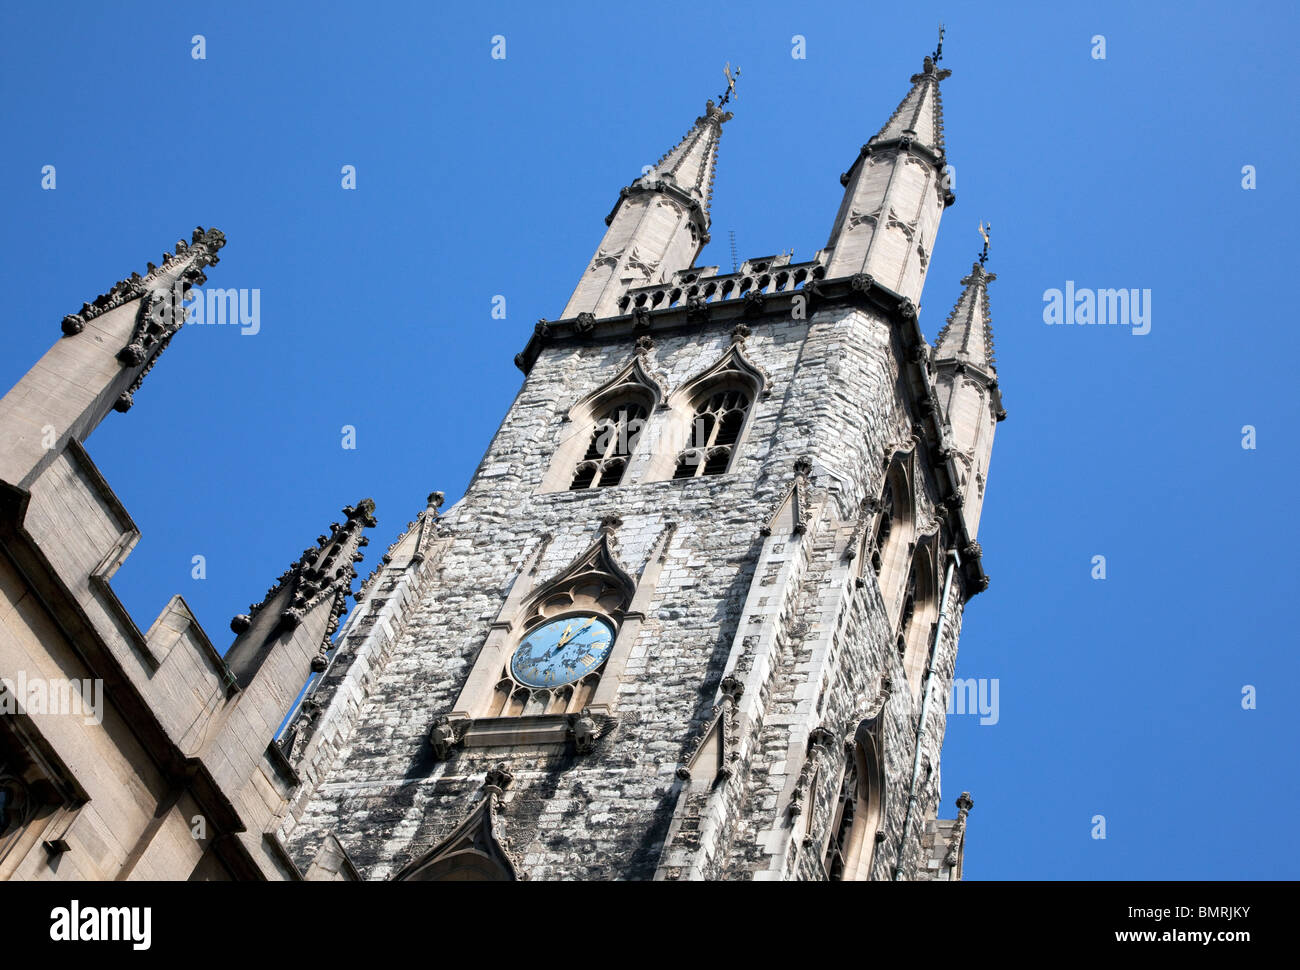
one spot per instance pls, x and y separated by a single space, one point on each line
584 323
322 572
542 328
857 218
821 736
723 726
498 778
697 310
161 312
446 734
583 731
731 688
964 805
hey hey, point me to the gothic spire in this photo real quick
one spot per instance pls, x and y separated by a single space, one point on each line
689 165
967 337
919 115
895 193
659 224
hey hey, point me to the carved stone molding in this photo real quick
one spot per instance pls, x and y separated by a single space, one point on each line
721 730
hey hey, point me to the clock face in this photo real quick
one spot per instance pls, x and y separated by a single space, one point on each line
562 651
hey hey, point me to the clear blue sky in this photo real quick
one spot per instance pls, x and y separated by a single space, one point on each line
479 177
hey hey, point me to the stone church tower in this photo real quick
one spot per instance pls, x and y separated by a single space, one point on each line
695 617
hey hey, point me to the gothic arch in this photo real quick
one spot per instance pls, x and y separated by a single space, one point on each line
890 539
475 851
919 611
858 819
603 428
595 582
707 419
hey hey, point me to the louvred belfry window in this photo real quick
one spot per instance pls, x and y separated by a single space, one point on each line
612 442
719 418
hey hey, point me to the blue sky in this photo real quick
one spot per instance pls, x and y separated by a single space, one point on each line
478 177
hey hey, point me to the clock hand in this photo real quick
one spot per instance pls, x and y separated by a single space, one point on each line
563 638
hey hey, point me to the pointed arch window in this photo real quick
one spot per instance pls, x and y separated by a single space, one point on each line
611 445
917 615
858 817
892 534
884 525
842 823
719 419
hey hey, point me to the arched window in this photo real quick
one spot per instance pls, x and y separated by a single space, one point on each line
705 420
917 615
884 525
842 823
892 535
859 808
719 418
612 442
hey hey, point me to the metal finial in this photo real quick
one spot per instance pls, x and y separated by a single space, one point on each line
729 91
938 51
984 231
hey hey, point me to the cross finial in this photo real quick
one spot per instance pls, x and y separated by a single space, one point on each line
984 231
938 51
730 90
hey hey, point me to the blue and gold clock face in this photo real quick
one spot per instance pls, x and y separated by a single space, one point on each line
562 651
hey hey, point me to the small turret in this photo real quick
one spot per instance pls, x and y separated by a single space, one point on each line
659 224
895 193
966 381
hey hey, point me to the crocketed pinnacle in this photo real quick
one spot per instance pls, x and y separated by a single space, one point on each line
920 114
967 337
689 165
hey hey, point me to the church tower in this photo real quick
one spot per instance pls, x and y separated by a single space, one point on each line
696 615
